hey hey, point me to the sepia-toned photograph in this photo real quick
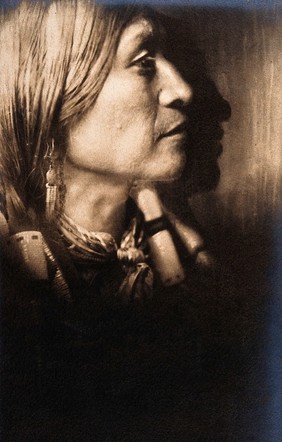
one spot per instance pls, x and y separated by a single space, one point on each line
141 220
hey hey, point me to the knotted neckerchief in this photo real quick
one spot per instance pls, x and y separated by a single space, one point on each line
92 248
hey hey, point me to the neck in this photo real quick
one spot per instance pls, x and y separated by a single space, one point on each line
96 202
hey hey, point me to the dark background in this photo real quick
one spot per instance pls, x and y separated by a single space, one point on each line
240 50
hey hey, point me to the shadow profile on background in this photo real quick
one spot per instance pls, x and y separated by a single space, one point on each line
205 113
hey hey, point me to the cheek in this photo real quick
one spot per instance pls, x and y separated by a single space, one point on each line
136 129
132 109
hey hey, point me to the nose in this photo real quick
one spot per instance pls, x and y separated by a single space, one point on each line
173 89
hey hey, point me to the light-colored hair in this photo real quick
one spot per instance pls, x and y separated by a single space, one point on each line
54 60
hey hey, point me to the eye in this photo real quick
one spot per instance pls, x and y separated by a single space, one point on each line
146 64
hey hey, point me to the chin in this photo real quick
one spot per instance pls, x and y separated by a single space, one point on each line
172 173
176 166
168 167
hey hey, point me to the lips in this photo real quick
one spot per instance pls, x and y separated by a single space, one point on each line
177 129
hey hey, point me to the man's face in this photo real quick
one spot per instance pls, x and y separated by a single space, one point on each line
136 128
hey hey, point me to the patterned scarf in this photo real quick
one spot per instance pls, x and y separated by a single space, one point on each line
93 248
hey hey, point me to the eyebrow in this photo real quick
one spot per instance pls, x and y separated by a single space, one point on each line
146 39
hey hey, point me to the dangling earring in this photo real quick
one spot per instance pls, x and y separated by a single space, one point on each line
51 184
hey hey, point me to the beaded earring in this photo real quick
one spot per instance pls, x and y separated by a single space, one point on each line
51 184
